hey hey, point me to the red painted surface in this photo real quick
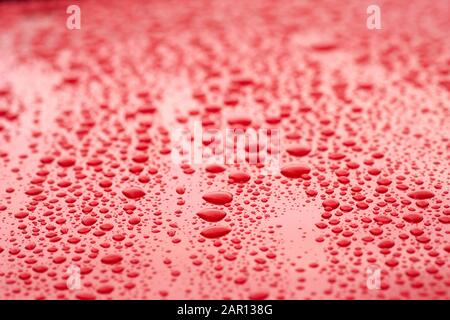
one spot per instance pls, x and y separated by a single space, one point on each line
87 180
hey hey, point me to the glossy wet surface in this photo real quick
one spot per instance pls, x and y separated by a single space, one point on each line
87 179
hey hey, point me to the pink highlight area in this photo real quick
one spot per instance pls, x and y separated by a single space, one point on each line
93 207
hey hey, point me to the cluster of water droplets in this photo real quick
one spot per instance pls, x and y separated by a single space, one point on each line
87 179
